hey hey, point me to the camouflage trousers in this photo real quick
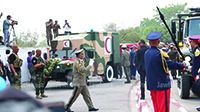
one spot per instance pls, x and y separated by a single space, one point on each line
39 83
16 80
49 38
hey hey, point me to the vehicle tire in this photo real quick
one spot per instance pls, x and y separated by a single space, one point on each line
196 87
109 74
185 85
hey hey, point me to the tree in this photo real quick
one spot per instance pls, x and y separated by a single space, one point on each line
155 24
29 39
111 27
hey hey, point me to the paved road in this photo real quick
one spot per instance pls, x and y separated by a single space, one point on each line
114 97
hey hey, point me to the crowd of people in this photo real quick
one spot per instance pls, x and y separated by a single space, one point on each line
12 70
154 62
54 27
36 65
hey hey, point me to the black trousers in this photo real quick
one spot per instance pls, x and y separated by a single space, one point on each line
142 82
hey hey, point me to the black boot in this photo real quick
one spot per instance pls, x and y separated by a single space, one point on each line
93 109
142 92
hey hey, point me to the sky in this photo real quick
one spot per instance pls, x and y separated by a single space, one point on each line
82 15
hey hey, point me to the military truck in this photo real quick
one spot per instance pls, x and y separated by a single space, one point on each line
188 26
103 47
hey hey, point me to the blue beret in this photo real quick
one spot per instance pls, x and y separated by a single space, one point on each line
153 35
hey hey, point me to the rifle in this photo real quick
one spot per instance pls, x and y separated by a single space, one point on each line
162 17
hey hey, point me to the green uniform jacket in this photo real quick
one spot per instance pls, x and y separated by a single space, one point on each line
79 73
125 59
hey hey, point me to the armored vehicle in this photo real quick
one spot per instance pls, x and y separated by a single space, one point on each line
103 47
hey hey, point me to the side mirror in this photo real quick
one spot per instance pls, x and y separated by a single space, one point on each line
90 54
173 27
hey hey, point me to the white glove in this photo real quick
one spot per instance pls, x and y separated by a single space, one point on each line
91 62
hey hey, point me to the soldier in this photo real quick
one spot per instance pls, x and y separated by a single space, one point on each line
15 63
56 27
38 76
139 62
195 44
158 81
173 55
79 82
49 25
125 61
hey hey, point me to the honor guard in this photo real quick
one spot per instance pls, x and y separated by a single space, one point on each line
15 63
158 81
79 82
195 44
38 76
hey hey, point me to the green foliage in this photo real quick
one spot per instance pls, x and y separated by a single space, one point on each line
50 65
133 34
27 39
111 27
30 39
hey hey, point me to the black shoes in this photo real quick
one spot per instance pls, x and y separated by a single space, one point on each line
142 98
198 109
44 96
68 110
93 109
127 82
38 97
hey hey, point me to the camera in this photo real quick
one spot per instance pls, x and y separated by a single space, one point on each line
14 22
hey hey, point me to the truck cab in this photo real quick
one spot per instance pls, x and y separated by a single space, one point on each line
188 26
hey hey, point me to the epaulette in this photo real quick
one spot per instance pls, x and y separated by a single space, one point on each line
197 52
164 54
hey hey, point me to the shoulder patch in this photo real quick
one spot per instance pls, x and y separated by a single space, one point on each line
197 53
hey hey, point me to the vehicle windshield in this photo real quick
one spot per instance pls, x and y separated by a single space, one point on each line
194 27
62 54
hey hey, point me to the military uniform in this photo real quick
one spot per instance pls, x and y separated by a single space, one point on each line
196 58
125 61
17 63
79 83
38 77
158 81
49 35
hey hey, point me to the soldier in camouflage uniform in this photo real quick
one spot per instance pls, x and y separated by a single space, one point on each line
38 77
79 82
15 63
49 26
